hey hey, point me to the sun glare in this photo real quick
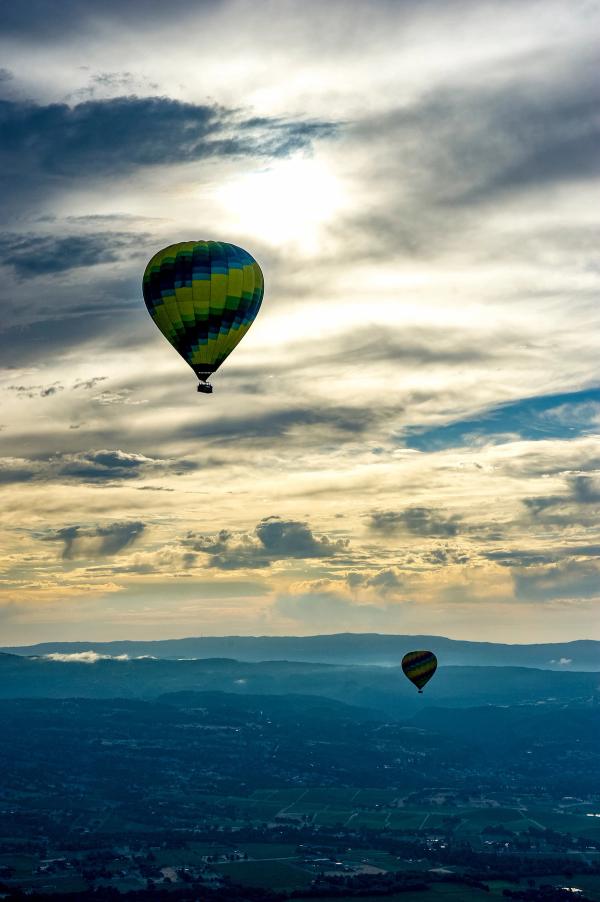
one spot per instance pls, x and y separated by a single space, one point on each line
289 202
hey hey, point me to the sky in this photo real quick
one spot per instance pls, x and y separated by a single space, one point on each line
407 440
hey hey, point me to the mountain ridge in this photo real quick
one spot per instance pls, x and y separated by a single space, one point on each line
367 686
339 648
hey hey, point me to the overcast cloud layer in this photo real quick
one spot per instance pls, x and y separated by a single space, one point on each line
407 439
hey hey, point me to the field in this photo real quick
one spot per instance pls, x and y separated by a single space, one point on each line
290 865
441 892
273 874
378 809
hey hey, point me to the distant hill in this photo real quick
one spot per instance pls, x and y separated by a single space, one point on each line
343 648
382 689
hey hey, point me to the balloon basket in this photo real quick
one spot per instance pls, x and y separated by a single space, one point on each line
205 387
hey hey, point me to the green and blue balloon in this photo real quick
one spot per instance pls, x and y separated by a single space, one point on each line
203 296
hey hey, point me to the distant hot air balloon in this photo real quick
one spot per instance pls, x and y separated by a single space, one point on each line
203 296
419 667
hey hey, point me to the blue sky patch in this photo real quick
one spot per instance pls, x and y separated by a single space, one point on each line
561 416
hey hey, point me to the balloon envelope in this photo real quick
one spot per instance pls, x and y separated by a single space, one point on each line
419 667
203 296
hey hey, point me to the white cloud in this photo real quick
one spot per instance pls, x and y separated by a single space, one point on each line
83 657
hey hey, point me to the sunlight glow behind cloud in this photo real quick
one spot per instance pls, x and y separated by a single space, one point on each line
290 201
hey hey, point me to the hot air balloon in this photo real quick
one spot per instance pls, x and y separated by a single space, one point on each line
419 667
203 296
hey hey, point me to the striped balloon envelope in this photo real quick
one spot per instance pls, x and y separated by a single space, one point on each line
419 667
203 296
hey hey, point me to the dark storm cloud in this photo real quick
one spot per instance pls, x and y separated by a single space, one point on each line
36 254
473 142
44 19
429 345
90 467
519 558
542 503
15 471
43 322
276 423
582 491
434 162
274 539
585 489
96 541
114 136
103 466
421 521
567 579
291 538
385 581
443 556
523 559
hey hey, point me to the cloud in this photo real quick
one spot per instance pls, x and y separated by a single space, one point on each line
421 521
14 470
93 467
91 657
334 612
585 489
443 556
466 143
49 336
33 391
42 19
518 558
96 541
521 558
384 581
105 466
276 423
566 579
83 657
88 384
71 142
32 255
291 538
274 539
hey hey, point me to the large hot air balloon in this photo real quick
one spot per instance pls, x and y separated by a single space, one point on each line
203 296
419 667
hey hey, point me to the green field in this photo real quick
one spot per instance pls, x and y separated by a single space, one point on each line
371 797
402 819
272 874
269 850
373 808
577 824
440 892
24 865
374 819
332 818
340 798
